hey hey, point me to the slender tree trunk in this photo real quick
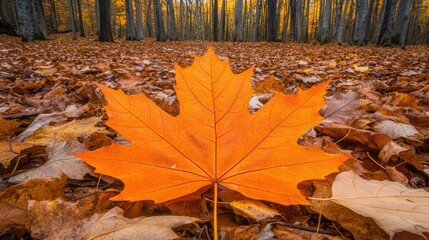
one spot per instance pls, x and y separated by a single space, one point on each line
139 20
115 25
72 19
188 16
172 21
238 37
130 33
222 21
244 21
251 22
215 20
97 16
285 22
401 22
257 20
148 16
326 21
159 22
105 34
79 9
182 20
360 27
293 20
271 20
342 23
306 20
369 22
54 13
299 20
321 16
386 30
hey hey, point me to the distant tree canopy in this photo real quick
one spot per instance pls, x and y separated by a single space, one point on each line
382 22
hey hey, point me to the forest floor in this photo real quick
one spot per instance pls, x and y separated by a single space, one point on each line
49 108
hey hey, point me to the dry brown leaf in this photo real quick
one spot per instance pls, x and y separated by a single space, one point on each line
365 137
341 107
393 206
68 131
57 117
10 150
253 210
112 225
396 130
60 160
8 127
14 201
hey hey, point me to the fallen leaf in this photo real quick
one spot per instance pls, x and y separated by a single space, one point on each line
405 100
14 201
311 80
360 226
396 130
10 150
339 131
7 127
214 139
45 119
58 219
393 206
68 131
341 107
389 150
253 210
112 225
60 160
360 69
280 230
269 85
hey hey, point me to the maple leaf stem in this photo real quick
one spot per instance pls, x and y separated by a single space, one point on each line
215 235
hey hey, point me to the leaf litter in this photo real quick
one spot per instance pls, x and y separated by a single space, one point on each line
392 86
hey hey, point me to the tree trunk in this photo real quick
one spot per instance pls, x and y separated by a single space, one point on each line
159 22
222 21
148 16
386 30
97 16
360 27
285 22
257 20
271 20
32 20
172 21
369 22
182 20
326 21
81 28
130 32
293 22
215 20
104 7
54 13
238 36
244 21
306 20
339 20
139 21
401 22
72 19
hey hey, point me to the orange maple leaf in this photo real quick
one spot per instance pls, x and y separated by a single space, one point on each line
214 139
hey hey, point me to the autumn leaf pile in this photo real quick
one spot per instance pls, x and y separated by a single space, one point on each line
376 111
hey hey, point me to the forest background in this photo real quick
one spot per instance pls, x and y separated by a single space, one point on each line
382 22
